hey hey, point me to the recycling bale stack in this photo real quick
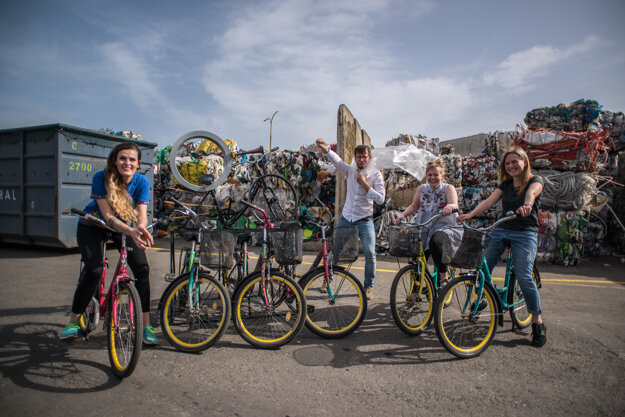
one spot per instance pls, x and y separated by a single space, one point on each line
573 147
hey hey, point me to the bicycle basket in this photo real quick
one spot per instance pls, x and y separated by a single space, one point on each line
346 246
404 240
217 249
471 250
287 241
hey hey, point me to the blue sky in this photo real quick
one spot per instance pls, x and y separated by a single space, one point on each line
444 69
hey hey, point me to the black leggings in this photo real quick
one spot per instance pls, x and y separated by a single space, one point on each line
437 242
90 239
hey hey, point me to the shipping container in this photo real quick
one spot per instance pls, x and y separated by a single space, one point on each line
46 170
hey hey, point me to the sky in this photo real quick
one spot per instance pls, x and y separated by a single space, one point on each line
446 69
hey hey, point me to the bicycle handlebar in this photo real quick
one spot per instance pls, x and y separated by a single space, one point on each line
430 220
91 219
509 216
98 222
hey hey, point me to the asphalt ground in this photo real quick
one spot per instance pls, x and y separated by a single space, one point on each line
375 371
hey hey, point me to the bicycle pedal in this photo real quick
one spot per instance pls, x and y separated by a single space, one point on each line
521 333
169 277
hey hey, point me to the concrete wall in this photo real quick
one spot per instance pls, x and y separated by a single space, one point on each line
349 134
474 144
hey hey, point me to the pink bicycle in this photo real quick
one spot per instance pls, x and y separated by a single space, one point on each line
120 305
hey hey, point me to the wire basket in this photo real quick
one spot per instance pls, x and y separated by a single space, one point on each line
471 250
404 240
287 241
346 245
217 249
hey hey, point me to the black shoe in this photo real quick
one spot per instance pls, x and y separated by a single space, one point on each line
539 334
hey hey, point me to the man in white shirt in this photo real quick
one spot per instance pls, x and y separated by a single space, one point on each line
364 186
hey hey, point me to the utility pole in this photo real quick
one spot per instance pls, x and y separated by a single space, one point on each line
270 127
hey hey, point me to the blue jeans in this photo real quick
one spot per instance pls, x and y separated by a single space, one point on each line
366 233
524 245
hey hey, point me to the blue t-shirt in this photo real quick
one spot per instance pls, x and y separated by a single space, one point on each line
138 189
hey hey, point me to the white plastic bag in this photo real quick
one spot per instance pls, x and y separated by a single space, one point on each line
407 157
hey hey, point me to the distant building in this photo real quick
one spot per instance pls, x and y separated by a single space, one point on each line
475 144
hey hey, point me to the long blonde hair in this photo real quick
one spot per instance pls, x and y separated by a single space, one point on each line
117 193
526 175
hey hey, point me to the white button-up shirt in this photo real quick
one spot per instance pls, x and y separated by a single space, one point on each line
358 202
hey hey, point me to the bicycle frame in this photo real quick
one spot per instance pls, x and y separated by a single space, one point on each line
265 267
484 277
120 275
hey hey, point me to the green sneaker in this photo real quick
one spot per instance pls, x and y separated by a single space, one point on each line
71 331
149 338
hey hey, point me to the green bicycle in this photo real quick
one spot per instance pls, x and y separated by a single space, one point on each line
414 288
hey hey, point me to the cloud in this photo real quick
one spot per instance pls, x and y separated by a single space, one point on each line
518 70
306 58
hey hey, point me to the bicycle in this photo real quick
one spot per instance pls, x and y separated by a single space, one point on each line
414 289
120 304
467 323
272 192
195 307
336 299
269 306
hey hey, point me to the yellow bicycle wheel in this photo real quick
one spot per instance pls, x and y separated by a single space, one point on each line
269 314
412 299
337 309
125 330
192 324
465 325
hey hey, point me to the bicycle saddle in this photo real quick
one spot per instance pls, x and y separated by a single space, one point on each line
244 237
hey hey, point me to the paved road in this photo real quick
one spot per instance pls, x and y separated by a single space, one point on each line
375 371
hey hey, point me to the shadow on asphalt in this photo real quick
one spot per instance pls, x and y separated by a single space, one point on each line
32 356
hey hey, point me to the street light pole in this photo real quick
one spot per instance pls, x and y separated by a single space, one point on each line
270 127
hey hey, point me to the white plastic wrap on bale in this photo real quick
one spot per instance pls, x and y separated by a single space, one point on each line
407 157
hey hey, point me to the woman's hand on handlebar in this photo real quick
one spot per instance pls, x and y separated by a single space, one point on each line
525 210
142 238
463 217
448 209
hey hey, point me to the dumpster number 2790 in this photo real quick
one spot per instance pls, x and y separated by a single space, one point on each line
80 166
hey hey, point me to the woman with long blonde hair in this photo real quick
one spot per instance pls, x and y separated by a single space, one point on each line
120 196
519 190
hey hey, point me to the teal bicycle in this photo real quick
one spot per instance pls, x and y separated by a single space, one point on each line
195 307
470 308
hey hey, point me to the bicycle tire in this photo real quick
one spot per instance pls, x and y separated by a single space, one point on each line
125 335
337 317
412 308
277 196
270 326
222 151
194 330
463 334
518 313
